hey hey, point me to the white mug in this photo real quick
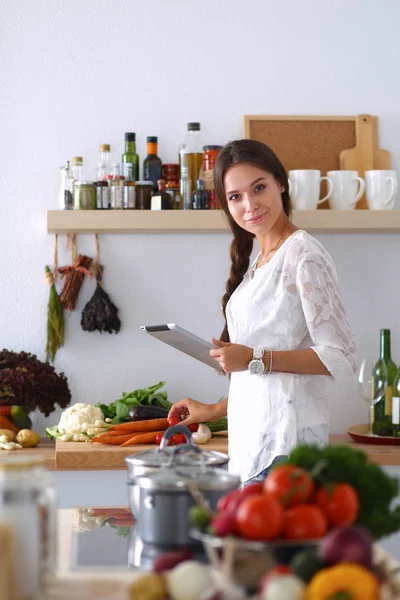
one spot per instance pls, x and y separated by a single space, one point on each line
304 188
381 189
345 194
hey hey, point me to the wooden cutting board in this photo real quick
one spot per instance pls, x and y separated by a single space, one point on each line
85 456
366 154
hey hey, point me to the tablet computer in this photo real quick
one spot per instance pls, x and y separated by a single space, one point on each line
183 340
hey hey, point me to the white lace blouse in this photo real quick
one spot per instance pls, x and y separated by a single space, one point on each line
292 302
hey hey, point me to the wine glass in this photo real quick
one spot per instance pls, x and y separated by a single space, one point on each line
371 388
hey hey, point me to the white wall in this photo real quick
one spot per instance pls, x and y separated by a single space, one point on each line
82 72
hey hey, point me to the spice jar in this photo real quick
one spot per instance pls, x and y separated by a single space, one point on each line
144 190
210 154
85 195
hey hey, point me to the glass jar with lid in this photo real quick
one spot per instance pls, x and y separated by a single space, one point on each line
144 191
85 195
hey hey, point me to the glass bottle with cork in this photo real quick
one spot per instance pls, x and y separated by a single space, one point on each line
130 156
117 188
152 166
382 424
129 201
191 154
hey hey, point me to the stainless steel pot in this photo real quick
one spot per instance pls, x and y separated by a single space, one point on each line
142 464
166 497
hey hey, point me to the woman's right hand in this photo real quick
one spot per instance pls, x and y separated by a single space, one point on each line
192 411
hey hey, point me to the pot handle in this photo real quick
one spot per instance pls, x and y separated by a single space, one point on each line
177 429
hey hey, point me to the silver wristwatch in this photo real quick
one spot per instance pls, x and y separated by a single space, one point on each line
256 366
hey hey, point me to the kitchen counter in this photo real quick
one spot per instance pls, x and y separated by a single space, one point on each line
77 455
65 456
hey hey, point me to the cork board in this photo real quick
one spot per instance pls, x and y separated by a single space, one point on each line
311 142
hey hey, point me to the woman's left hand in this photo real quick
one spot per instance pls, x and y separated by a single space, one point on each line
231 357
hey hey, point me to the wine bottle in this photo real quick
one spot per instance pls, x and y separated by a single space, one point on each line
130 156
396 405
152 166
382 424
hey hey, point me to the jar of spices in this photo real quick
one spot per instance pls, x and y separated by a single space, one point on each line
210 154
144 190
170 173
85 195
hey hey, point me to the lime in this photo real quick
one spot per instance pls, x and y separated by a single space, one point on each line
198 517
20 418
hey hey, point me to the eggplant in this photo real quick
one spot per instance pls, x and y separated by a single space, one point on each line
143 413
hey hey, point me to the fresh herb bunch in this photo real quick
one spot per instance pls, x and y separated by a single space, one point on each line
118 411
28 382
376 490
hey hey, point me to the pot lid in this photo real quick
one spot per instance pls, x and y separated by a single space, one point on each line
178 478
161 458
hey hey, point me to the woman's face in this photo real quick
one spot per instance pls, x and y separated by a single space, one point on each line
253 197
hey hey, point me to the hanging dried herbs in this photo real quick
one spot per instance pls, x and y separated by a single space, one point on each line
100 314
74 276
55 311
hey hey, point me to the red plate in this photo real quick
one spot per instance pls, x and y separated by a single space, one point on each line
359 434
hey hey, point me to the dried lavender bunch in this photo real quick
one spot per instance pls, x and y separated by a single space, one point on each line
26 381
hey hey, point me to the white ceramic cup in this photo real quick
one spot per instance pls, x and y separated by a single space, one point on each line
348 188
380 189
305 188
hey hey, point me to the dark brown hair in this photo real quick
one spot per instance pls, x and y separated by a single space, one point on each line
257 154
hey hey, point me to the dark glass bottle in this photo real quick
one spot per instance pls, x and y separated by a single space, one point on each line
382 424
200 196
130 155
152 166
161 200
396 405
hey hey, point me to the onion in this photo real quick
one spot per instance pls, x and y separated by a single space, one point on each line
348 544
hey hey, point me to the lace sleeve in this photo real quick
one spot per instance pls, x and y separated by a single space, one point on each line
325 315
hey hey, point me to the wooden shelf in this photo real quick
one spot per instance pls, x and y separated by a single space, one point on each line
147 221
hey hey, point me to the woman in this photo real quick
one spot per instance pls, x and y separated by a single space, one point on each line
286 335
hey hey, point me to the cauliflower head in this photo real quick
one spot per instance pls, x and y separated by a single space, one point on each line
73 418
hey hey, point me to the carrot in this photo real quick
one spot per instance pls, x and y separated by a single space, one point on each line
115 440
141 426
7 424
142 438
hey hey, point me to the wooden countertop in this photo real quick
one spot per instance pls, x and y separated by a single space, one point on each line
85 456
65 456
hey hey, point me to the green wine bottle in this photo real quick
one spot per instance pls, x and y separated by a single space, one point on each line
382 424
396 405
130 156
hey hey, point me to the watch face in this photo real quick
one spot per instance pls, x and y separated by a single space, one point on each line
256 367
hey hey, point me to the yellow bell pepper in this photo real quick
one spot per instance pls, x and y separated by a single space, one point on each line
345 581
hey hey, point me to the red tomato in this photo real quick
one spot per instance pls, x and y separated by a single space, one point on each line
5 411
230 502
158 438
173 421
178 439
339 503
289 484
278 571
259 517
193 427
304 522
